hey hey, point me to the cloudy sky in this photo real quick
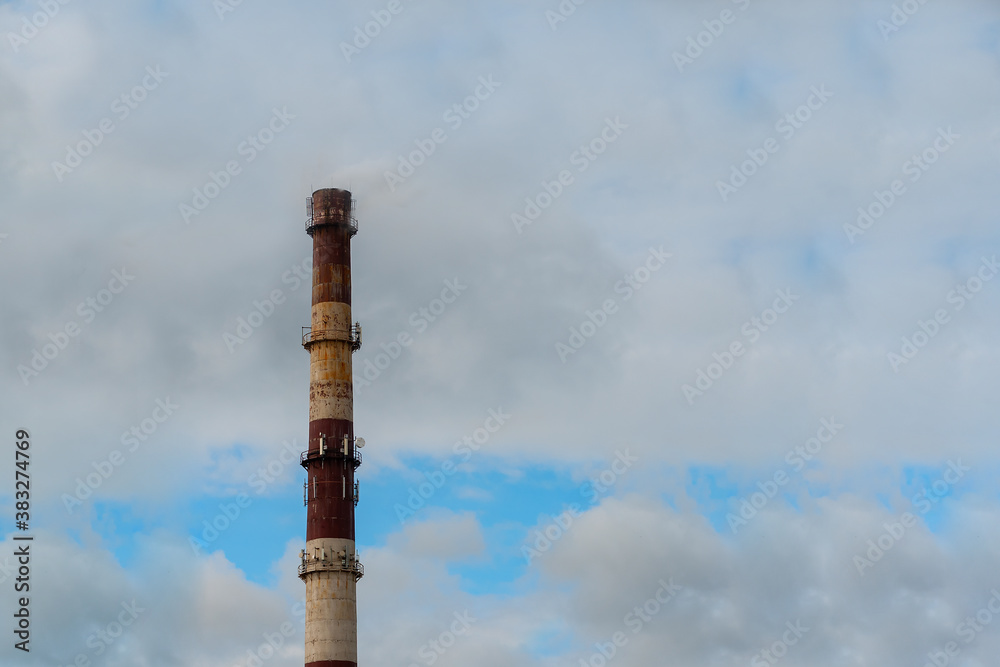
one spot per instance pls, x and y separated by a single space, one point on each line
716 379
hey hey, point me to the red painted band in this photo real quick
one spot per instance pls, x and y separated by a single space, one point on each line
331 282
331 247
333 429
330 490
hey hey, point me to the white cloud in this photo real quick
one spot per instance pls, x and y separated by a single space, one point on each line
495 346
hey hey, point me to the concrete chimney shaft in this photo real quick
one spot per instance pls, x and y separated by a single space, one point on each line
329 566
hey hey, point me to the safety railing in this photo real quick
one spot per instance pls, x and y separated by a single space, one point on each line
352 223
353 455
352 336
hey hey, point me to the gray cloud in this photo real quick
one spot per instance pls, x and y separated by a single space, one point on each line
163 336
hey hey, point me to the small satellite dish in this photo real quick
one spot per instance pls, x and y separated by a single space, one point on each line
360 442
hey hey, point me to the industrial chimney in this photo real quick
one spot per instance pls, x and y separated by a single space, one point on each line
330 567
